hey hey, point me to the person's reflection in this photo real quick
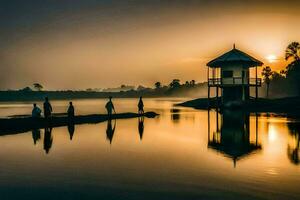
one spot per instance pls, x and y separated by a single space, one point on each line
71 130
293 149
36 135
110 130
48 139
175 115
141 127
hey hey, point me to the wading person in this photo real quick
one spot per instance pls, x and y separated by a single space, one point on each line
71 111
36 111
110 107
141 106
47 108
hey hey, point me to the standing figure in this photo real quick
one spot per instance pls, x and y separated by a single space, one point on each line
141 106
36 111
110 107
47 108
71 110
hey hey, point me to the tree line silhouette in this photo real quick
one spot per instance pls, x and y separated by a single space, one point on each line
174 88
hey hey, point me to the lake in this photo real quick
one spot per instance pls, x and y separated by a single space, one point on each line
181 154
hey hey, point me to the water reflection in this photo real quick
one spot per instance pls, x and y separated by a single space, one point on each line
293 148
141 127
36 135
233 137
48 139
71 130
110 130
175 115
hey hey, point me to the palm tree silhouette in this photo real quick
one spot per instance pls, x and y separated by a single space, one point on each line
293 51
38 86
267 73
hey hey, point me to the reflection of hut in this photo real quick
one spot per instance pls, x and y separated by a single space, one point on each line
233 139
231 73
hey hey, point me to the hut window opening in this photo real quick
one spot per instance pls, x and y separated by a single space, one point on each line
227 74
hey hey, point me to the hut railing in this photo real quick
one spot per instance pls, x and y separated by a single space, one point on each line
234 81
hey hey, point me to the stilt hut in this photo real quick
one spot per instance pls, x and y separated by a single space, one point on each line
230 73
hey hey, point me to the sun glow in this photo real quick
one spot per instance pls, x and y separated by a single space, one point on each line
272 133
271 58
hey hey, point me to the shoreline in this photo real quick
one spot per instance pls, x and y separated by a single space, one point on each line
24 124
287 105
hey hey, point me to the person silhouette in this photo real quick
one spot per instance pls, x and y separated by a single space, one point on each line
110 107
110 130
71 110
141 127
36 111
47 108
141 106
48 139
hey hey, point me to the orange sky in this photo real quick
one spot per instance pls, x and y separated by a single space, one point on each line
66 46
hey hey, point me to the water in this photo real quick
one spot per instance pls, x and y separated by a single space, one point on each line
178 155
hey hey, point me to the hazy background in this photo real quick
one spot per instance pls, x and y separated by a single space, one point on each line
72 44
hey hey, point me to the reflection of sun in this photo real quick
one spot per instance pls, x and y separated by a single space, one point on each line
271 58
272 133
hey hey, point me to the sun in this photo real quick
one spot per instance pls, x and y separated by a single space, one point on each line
271 58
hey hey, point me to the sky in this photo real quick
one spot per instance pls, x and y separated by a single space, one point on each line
72 44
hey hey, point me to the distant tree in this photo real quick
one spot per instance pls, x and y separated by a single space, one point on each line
140 88
277 76
38 86
293 51
157 85
193 83
267 73
175 84
283 72
26 89
187 83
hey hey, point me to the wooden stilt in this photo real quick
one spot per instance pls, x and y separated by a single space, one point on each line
208 96
256 129
208 126
217 95
208 89
217 113
256 88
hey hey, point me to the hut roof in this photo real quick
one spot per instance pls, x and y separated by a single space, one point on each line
234 56
234 152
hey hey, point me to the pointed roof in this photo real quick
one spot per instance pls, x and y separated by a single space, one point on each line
235 152
234 56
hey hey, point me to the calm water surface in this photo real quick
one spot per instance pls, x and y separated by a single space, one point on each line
181 154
